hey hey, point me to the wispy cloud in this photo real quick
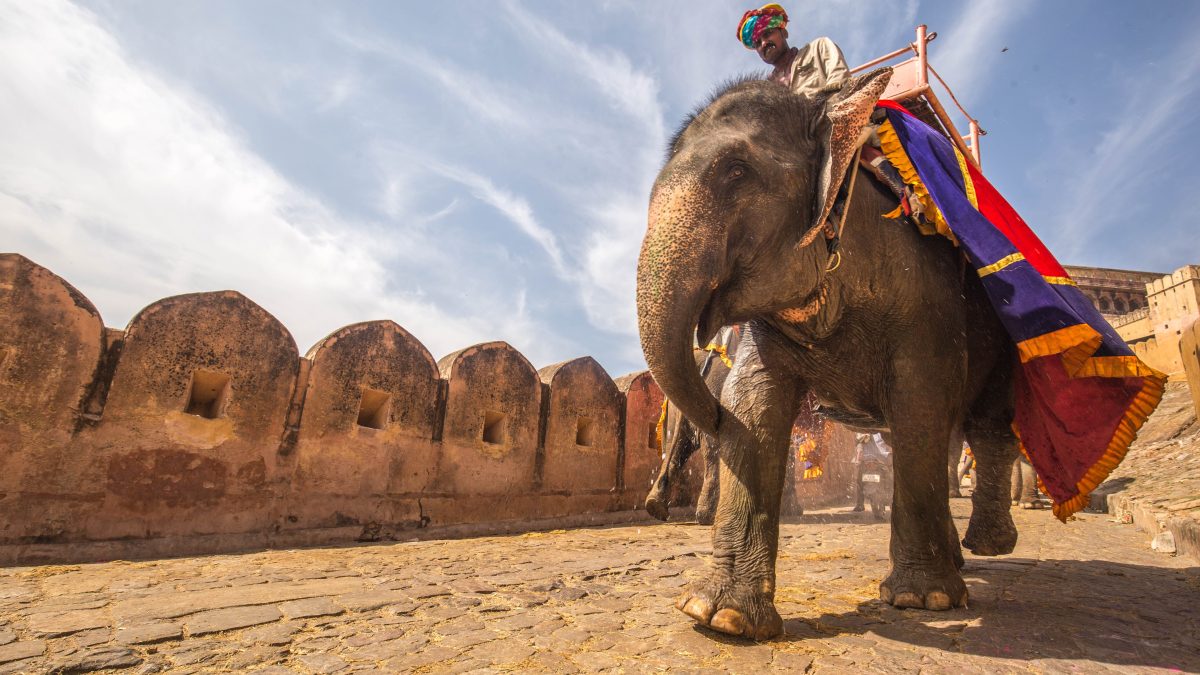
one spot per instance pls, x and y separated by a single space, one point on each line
513 207
967 51
1109 179
497 103
617 218
629 90
135 188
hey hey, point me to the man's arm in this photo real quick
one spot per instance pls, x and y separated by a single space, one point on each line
832 62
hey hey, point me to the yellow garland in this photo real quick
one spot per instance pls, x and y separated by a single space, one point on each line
936 222
721 352
658 430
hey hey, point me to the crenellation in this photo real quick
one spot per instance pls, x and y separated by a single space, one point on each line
201 427
490 433
582 427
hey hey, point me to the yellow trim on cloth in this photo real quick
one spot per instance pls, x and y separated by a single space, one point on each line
1061 281
1076 344
968 184
935 221
1000 264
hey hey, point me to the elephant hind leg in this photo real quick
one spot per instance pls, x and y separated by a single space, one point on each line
679 449
991 530
706 504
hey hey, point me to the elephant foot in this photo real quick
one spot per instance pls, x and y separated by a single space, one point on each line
920 589
991 534
955 493
656 506
732 608
704 516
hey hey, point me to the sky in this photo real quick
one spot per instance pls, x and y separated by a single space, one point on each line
483 172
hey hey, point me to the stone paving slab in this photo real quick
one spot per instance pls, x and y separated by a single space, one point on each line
1088 596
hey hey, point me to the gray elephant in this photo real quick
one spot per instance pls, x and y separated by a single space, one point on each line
680 441
894 336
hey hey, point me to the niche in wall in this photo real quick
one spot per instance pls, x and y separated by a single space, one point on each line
209 394
493 428
583 432
374 409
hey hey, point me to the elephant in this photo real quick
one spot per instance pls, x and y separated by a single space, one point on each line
886 328
680 440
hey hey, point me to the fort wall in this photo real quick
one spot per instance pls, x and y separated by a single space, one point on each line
1155 331
1189 353
200 428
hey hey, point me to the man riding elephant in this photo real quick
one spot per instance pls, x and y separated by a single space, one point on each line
817 68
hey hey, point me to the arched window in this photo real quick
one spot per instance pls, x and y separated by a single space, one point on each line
1104 304
1120 306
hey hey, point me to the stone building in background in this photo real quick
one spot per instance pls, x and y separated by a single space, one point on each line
1113 292
1150 311
1155 331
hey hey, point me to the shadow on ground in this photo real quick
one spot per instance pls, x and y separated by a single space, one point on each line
1023 609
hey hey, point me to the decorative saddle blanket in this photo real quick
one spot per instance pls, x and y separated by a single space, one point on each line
1080 393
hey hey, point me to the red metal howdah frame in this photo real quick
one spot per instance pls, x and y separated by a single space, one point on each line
910 79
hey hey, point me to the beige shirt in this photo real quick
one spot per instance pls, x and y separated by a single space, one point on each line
817 67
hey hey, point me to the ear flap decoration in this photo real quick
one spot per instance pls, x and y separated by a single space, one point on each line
846 113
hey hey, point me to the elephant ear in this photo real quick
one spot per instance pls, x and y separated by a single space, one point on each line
846 113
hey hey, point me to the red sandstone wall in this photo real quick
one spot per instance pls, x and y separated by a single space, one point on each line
200 427
643 403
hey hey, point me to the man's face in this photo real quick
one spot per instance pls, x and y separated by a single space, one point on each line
772 45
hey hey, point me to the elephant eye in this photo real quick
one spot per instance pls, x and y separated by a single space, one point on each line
736 171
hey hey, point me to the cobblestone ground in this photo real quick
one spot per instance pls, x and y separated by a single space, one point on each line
1084 597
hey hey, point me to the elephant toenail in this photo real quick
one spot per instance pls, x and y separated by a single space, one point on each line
696 608
730 621
885 594
937 601
906 599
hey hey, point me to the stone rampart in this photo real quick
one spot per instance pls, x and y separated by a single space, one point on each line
200 428
1189 352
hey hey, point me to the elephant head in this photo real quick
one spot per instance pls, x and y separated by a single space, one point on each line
735 221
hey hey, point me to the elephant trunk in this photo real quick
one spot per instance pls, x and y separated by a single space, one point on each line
677 274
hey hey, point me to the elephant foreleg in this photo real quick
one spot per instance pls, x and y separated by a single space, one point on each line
759 402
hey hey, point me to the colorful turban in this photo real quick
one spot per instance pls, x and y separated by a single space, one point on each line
758 21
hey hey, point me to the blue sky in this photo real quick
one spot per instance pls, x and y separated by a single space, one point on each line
483 173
